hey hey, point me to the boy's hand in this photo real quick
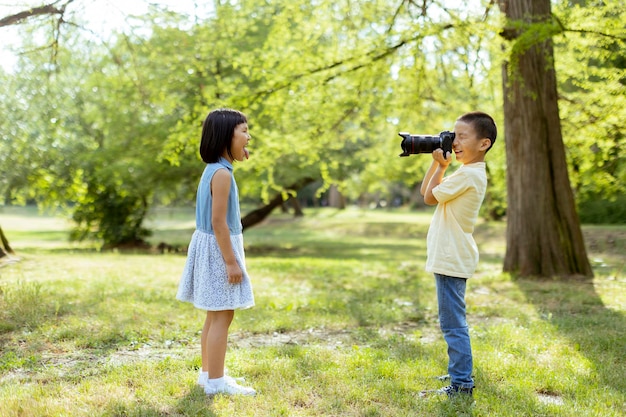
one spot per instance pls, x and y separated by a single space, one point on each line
443 160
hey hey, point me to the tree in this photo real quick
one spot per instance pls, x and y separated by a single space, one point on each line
543 230
57 9
326 86
5 248
319 107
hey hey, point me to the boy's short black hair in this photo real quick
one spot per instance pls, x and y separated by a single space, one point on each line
483 124
217 133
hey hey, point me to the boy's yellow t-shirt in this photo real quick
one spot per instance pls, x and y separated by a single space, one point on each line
451 248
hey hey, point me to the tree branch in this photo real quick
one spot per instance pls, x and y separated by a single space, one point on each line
48 9
487 9
259 214
374 54
594 32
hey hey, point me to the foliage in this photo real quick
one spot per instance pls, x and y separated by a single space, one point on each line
327 85
592 70
602 210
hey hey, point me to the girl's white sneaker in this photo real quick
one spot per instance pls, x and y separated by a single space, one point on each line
203 378
228 387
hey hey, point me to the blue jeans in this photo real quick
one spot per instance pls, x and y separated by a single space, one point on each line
451 299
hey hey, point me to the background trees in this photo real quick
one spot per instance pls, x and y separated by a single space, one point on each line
591 68
109 130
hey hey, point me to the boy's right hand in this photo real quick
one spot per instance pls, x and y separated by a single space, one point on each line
443 160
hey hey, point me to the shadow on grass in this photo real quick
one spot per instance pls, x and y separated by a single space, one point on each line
194 403
576 310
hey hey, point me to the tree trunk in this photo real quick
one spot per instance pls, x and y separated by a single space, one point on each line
335 198
543 236
297 209
5 248
258 215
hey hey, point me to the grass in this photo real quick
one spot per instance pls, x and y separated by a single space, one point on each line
345 325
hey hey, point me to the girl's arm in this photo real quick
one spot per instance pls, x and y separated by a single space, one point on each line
220 189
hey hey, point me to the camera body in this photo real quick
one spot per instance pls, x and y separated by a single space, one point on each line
413 144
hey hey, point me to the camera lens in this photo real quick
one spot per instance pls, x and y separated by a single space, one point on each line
412 144
426 144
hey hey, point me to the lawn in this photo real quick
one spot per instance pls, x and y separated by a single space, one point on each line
345 324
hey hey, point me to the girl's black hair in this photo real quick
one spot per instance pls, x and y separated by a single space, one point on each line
483 124
217 133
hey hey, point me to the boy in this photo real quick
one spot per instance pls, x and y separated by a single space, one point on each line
452 252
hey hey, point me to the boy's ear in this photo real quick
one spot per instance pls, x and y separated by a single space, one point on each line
485 143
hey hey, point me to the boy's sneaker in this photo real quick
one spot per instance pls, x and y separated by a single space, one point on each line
451 391
229 387
454 390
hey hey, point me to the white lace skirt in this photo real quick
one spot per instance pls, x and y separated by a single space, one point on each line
205 282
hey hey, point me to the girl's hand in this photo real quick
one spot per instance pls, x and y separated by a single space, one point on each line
235 275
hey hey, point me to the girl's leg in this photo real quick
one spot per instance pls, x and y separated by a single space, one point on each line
203 342
213 345
215 341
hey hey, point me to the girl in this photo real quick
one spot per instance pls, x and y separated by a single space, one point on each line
215 277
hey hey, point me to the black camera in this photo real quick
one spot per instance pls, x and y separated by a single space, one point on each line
412 144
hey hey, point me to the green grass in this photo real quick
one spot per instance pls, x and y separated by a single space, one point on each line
345 325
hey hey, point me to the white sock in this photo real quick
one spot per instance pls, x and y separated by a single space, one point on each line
203 377
216 383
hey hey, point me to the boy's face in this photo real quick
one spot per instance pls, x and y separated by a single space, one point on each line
467 147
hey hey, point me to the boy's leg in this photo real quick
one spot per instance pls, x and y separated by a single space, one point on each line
451 299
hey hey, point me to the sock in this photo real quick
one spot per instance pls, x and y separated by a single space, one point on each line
216 383
203 377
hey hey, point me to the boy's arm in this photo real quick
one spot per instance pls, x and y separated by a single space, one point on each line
434 177
428 176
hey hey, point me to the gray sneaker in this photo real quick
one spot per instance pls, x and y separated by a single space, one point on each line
454 390
451 391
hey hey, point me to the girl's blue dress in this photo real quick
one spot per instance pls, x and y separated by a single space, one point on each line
204 282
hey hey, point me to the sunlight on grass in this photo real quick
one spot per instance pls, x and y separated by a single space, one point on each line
345 324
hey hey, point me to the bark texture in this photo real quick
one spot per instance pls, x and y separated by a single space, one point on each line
544 238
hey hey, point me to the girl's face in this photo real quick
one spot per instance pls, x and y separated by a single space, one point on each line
241 137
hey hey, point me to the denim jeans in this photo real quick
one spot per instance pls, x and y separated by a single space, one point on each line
451 300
